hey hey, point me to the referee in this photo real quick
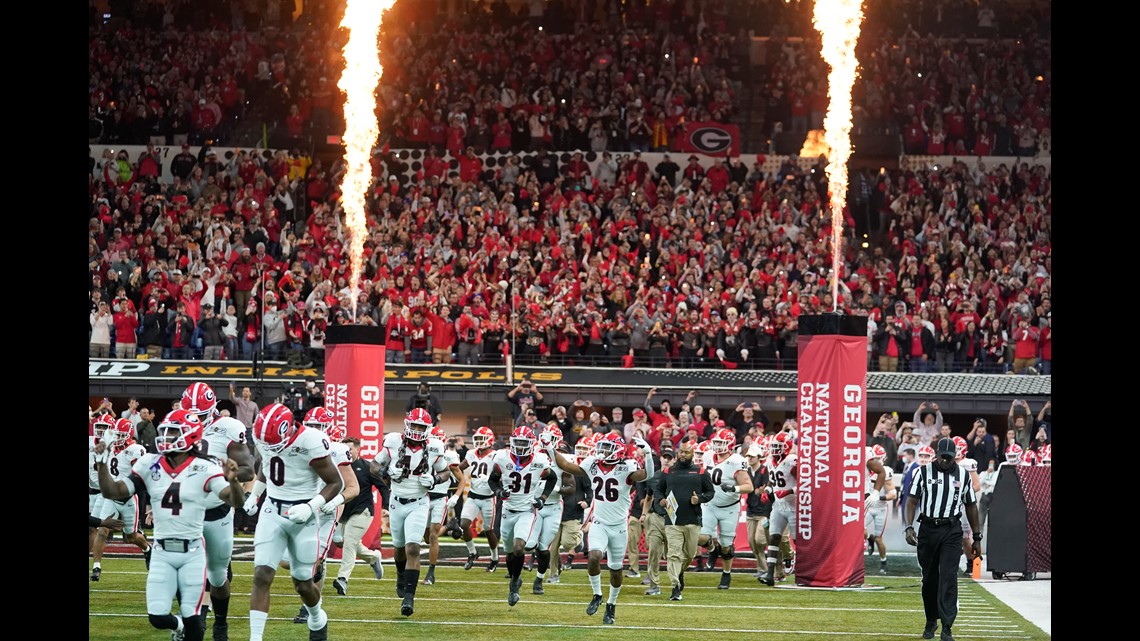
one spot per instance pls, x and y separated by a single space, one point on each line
940 491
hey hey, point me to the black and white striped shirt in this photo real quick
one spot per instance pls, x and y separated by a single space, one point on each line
942 494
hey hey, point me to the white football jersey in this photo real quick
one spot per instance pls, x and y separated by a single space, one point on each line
92 472
611 488
970 464
121 463
178 495
216 438
340 456
525 481
288 473
784 478
479 469
725 472
404 465
889 475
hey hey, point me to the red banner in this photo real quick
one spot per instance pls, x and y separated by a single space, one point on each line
830 461
710 138
354 392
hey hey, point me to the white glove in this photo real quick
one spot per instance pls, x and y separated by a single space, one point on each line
250 506
546 438
338 535
743 354
720 354
331 506
427 480
451 501
641 444
871 499
300 513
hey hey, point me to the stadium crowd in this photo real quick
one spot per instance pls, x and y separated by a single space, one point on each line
623 265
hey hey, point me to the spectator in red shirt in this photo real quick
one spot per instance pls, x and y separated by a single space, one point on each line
444 335
126 321
470 166
1025 339
419 338
396 330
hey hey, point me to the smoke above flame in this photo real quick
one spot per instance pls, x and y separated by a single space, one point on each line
362 72
838 22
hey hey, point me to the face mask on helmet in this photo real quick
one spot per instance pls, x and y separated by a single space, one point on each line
417 424
483 439
522 442
178 432
200 399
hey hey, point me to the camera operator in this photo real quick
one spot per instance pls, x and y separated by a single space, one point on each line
523 396
425 399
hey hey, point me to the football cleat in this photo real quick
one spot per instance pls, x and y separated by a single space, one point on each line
408 606
538 586
767 579
592 608
470 561
341 586
378 567
676 594
725 580
608 617
302 616
429 578
492 565
96 573
513 595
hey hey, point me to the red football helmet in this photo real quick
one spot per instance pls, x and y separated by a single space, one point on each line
416 425
103 422
1013 453
723 441
179 431
522 441
200 399
925 454
1028 457
555 433
437 433
585 446
960 446
124 431
702 447
782 445
762 446
610 448
274 427
318 418
483 438
877 452
1046 456
336 432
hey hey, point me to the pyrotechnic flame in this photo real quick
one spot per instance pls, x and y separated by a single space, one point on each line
838 22
361 75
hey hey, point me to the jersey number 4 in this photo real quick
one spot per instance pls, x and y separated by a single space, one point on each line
171 500
605 489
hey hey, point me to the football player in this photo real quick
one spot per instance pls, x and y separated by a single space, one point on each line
960 446
523 480
295 461
729 473
440 501
223 437
782 447
550 514
178 480
414 464
875 517
322 420
611 478
100 425
572 532
124 453
480 499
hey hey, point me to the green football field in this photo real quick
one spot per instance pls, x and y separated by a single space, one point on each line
472 606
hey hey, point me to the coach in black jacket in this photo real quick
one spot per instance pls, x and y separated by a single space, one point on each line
690 487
